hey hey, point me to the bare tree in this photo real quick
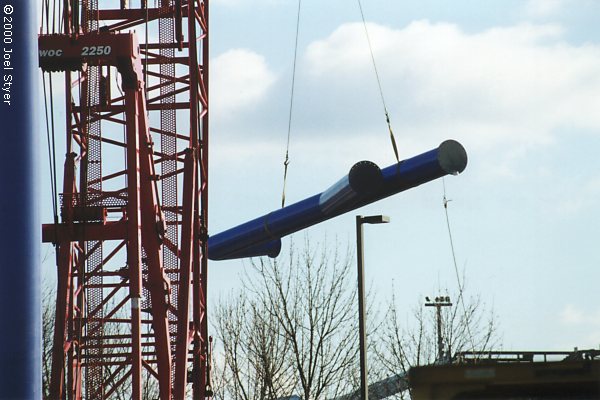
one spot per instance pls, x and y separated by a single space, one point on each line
48 311
294 331
149 387
254 364
466 326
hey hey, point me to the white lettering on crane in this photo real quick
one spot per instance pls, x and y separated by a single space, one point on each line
51 52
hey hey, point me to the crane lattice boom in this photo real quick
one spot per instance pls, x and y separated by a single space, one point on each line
131 296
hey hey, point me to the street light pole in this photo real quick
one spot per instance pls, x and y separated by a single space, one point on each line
360 220
364 386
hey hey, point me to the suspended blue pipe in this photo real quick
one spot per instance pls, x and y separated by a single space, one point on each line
364 184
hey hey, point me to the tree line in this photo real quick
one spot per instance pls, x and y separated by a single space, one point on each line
292 330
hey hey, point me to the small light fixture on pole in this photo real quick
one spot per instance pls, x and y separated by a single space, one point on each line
360 220
438 303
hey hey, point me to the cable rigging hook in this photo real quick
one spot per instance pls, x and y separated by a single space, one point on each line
286 161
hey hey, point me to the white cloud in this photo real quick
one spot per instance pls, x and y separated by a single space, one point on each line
575 197
514 85
574 316
571 315
543 8
582 324
239 79
501 92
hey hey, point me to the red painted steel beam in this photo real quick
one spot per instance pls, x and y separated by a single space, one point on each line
63 292
65 53
129 14
134 237
117 109
64 232
199 301
74 378
185 274
152 229
199 11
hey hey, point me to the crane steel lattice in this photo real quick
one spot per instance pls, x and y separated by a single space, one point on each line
132 277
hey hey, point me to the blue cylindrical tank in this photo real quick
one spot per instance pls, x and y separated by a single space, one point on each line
364 184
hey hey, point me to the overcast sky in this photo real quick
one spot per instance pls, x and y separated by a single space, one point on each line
516 82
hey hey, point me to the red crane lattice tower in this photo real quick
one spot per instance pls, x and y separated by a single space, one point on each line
131 241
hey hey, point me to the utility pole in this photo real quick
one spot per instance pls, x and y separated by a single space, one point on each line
438 303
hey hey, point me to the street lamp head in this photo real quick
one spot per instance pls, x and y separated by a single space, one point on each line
375 219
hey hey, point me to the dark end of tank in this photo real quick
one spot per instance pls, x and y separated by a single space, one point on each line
365 177
452 157
271 249
275 248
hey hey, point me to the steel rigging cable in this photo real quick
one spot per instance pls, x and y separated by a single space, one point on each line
51 146
461 299
286 162
387 115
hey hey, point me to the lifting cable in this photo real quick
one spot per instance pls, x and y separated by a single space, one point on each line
61 18
50 137
45 14
286 162
460 285
387 116
54 16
